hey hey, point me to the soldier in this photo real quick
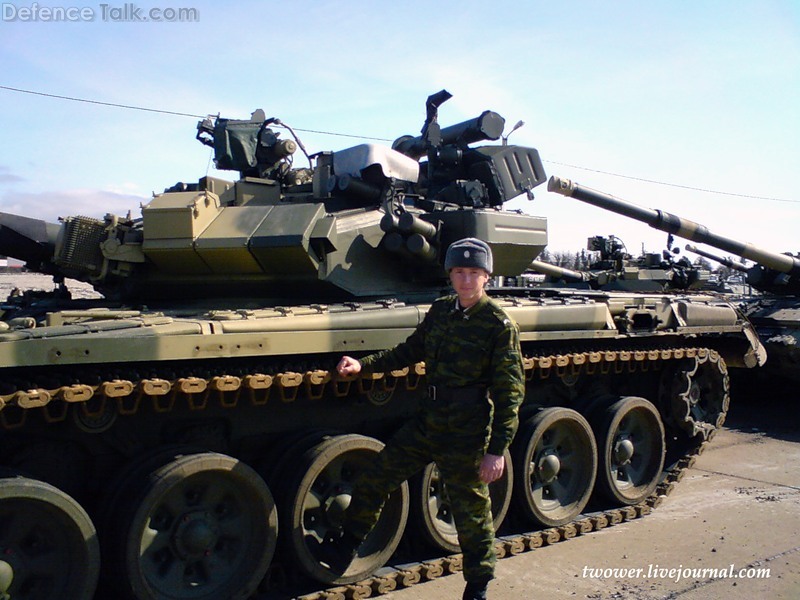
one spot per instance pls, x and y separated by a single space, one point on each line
475 382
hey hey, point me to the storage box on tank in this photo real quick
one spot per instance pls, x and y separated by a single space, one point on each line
172 223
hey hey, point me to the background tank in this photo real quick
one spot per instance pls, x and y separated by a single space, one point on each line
186 436
615 269
775 311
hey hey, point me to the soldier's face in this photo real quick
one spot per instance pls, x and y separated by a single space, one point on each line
469 284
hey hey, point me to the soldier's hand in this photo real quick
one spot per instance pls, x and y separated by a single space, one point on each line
492 468
348 366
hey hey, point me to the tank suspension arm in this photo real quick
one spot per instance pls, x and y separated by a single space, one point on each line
664 221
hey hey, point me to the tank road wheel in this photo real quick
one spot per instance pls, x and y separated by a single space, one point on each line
322 494
201 527
555 464
630 441
125 483
695 395
48 544
430 506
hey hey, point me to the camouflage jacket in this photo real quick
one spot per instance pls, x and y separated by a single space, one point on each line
479 346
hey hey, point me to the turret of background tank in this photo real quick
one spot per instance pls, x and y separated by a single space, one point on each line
617 270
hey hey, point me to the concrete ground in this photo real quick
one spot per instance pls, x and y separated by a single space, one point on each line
737 508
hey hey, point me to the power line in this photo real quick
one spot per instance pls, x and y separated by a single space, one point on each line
170 112
128 106
362 137
676 185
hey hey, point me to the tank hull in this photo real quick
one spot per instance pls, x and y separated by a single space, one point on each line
98 402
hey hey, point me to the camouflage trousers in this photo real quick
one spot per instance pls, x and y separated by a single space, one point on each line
455 435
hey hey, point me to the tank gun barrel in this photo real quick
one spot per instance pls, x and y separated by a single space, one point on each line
731 264
664 221
557 272
31 240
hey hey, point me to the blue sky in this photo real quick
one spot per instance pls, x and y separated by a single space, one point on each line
697 94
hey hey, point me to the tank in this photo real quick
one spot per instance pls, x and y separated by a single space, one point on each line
617 270
775 307
186 436
775 312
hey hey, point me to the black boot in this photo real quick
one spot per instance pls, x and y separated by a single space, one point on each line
475 590
337 553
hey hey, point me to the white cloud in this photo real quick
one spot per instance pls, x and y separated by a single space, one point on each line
6 176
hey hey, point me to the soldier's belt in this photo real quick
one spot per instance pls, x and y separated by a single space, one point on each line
462 394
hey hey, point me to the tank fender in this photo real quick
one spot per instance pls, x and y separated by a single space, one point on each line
694 314
756 356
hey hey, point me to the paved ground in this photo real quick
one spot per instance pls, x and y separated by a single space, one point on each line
738 507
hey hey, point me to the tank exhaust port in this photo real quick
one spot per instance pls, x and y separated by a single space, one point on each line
634 320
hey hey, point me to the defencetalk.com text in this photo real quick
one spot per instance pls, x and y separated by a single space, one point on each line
128 12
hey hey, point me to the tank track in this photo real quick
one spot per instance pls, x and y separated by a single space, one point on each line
396 577
256 388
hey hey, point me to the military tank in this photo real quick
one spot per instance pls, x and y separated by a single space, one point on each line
617 270
774 309
185 435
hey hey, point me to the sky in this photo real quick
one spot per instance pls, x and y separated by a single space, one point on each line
686 106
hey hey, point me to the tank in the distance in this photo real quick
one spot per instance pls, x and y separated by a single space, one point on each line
614 269
773 308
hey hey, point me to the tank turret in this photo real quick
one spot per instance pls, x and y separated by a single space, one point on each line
366 221
773 272
617 270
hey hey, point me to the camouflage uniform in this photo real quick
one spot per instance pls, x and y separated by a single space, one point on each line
476 350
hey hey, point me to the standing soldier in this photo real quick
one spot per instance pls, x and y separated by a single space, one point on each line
474 372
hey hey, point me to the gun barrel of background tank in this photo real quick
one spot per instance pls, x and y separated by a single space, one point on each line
559 272
732 264
664 221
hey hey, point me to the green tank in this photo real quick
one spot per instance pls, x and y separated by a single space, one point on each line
185 436
617 270
774 308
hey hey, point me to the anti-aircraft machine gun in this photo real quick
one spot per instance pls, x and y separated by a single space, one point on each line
188 431
775 312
